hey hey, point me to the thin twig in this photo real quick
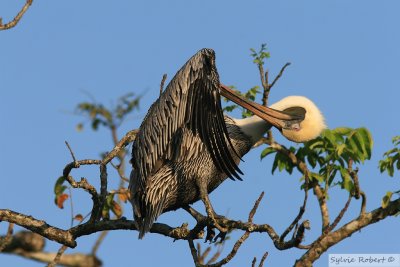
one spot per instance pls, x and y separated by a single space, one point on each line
103 190
322 205
216 254
253 262
5 241
298 217
255 207
98 242
233 251
58 256
225 260
17 18
71 205
123 178
202 255
265 81
70 151
279 75
263 259
340 216
126 140
354 176
363 203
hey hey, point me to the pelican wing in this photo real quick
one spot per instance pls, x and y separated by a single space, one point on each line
191 100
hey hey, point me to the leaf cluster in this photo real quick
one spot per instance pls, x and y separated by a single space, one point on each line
331 153
258 57
391 158
108 117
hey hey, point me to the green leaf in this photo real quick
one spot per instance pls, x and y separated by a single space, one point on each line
386 199
316 176
396 140
391 159
340 148
367 141
347 182
267 151
59 189
343 130
229 108
58 186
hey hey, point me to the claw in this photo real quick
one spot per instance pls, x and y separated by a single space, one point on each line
210 234
221 236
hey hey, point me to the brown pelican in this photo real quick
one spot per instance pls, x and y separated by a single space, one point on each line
186 147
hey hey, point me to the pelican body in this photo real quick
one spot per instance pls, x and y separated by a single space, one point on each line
186 147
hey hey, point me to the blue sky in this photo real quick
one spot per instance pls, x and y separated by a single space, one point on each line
344 57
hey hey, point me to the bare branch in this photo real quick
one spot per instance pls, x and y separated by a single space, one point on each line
38 226
340 216
346 231
354 176
254 209
17 18
128 138
363 203
233 251
265 83
279 75
224 260
253 263
71 260
103 191
318 192
298 217
5 241
99 241
57 258
70 150
263 259
26 241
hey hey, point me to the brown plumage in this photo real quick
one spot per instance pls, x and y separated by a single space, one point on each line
186 148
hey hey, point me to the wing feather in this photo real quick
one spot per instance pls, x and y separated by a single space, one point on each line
190 100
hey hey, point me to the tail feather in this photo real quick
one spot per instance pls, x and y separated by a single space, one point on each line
145 222
150 202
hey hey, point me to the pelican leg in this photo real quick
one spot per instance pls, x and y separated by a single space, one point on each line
210 237
195 214
209 209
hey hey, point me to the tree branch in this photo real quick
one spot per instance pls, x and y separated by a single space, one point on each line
38 226
346 231
279 75
6 240
30 246
71 260
128 138
17 18
57 258
26 241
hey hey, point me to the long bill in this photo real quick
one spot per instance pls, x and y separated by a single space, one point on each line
277 118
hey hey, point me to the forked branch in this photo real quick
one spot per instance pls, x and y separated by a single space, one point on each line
17 18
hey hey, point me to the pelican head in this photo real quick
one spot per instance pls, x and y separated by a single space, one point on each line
310 127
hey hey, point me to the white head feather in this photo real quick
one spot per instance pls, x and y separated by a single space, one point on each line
313 123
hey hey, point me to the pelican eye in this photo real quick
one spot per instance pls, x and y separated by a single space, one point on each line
292 125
